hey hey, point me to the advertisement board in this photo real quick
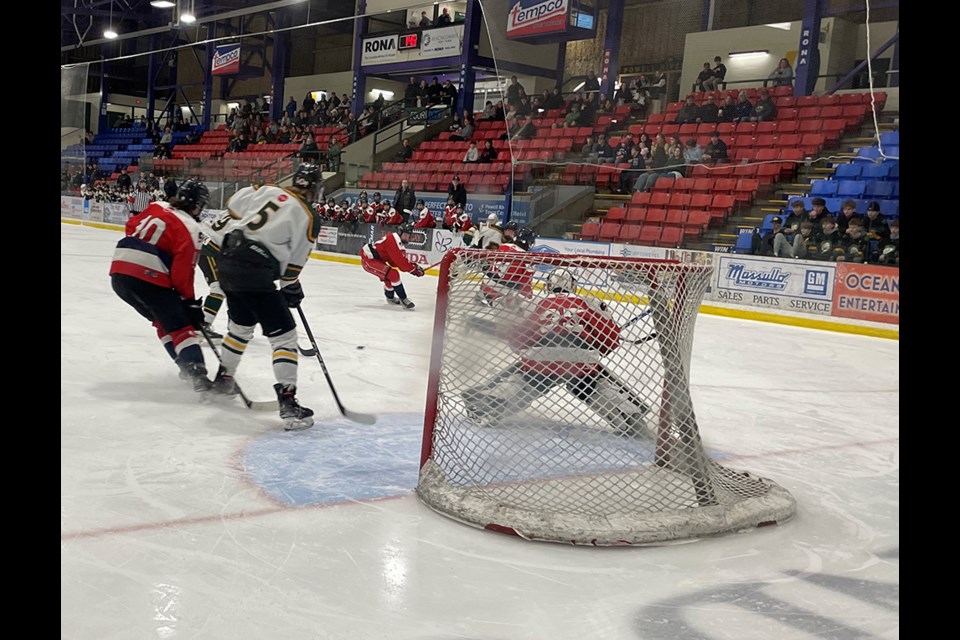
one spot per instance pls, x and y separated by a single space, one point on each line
867 292
536 17
774 284
71 207
446 41
379 49
576 247
226 60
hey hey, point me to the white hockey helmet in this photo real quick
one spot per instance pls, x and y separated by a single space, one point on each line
561 280
493 219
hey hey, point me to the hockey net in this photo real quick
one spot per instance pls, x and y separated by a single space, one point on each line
582 435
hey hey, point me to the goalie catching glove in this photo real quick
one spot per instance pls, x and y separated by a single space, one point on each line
193 309
292 294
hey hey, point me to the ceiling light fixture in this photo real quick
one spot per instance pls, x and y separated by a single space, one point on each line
109 32
162 4
189 16
749 54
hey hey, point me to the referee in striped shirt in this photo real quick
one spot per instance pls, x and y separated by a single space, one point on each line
142 197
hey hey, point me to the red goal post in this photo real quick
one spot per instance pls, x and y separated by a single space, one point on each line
559 406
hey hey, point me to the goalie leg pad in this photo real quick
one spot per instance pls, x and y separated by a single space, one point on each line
614 402
507 394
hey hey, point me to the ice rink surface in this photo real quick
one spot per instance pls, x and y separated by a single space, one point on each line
185 520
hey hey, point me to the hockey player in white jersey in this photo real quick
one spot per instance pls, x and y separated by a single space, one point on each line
490 236
266 236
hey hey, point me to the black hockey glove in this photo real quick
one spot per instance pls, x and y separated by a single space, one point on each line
194 311
292 294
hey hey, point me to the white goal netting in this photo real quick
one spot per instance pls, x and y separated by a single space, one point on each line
559 406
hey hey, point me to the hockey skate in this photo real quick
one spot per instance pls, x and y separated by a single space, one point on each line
196 373
393 300
223 384
295 417
483 408
407 303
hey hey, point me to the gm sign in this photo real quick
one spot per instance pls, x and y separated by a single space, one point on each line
377 50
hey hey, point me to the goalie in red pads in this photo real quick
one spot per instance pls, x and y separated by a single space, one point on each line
385 259
561 343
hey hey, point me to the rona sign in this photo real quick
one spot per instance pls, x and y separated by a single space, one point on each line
537 17
379 49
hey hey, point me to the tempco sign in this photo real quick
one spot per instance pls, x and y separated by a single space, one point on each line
377 50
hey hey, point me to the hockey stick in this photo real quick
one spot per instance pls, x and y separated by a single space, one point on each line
264 405
362 418
307 352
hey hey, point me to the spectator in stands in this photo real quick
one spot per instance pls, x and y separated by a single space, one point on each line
380 102
589 150
405 199
448 93
804 242
848 213
636 165
514 89
411 94
791 224
523 128
818 211
163 146
308 103
555 101
656 166
728 110
88 137
525 108
404 154
457 191
621 152
693 152
489 152
744 108
716 150
606 106
333 155
888 249
762 244
705 79
309 151
444 18
423 94
489 111
765 109
434 92
688 112
854 243
124 183
708 112
500 114
604 150
782 76
463 129
719 72
592 85
572 119
425 21
291 108
658 87
472 156
830 242
877 229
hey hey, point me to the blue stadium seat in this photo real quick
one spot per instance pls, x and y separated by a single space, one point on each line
879 190
890 208
850 188
890 138
744 241
875 172
848 171
823 188
868 154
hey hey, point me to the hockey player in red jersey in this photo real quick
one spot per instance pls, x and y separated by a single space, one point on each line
507 277
267 235
391 215
562 342
450 214
153 271
385 259
425 219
